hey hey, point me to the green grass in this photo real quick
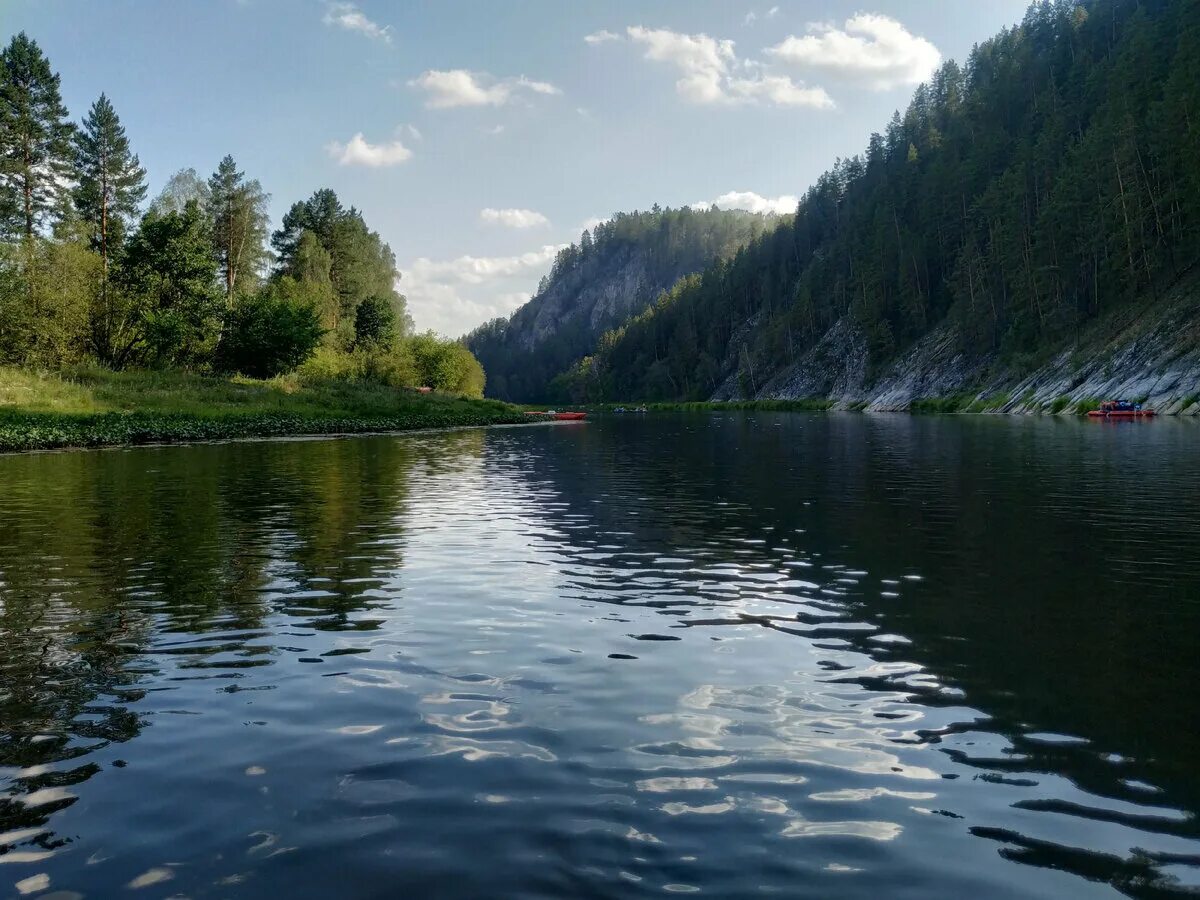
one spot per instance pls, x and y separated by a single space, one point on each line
94 407
1059 404
955 403
987 404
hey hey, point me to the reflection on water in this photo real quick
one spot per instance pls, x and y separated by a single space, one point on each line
621 659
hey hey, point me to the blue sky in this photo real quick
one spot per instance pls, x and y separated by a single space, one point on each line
479 136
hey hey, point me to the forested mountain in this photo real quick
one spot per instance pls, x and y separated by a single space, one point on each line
1049 183
596 285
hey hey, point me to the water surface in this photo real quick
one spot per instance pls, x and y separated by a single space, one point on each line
801 655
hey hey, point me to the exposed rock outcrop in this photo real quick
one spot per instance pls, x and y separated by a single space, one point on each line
580 297
1152 357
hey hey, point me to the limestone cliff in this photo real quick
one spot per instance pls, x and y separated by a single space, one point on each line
1150 355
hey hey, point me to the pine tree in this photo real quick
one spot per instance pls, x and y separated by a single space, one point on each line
238 209
35 138
111 185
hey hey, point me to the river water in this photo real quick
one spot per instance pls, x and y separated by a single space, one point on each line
734 654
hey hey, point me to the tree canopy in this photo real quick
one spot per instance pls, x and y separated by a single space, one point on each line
87 275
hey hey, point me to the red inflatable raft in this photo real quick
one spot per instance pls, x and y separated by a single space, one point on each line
1120 409
558 416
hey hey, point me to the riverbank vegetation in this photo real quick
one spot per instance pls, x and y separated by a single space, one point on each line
191 288
94 406
1052 179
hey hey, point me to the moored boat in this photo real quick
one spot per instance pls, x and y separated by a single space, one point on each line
1120 409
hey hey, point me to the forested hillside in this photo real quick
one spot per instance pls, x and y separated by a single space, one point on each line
596 285
1050 182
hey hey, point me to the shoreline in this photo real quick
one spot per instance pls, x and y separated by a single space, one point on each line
91 407
931 407
44 432
49 432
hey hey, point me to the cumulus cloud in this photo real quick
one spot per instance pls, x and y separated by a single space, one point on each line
358 152
779 90
452 296
703 62
449 88
707 68
601 36
351 18
784 204
513 218
870 49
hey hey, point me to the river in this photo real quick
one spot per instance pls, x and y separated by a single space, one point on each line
807 655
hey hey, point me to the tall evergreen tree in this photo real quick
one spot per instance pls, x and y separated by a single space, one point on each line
111 184
361 265
319 214
35 138
238 209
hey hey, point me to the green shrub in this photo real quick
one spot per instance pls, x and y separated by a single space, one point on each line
446 365
271 332
955 403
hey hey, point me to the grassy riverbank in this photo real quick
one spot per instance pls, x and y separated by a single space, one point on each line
94 407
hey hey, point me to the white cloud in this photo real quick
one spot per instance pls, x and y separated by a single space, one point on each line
601 36
478 269
538 87
706 65
513 218
590 224
452 296
784 204
701 60
357 152
752 16
779 90
872 49
459 87
351 18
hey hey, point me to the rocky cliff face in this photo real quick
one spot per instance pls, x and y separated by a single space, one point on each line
1152 356
615 272
582 299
